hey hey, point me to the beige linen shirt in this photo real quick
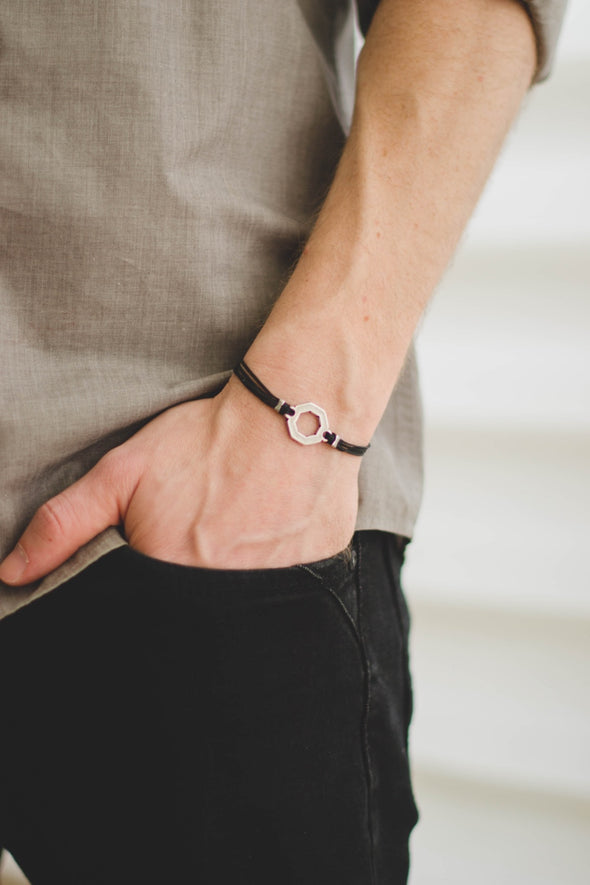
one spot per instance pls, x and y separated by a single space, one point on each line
161 162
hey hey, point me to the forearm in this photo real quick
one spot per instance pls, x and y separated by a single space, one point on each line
438 86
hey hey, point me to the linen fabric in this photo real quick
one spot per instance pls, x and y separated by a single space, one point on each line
161 162
225 727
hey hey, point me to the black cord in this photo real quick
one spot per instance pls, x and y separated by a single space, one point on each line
245 374
255 386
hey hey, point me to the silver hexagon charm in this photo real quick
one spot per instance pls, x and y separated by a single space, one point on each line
296 434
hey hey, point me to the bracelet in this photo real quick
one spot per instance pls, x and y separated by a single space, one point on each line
292 413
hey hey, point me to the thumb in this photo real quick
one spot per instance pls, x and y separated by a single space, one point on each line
65 523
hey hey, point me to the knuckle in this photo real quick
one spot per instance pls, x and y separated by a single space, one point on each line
52 518
117 474
112 464
107 469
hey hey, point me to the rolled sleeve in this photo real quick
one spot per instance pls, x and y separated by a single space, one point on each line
546 19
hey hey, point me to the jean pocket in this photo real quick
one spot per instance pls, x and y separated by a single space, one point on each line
346 557
342 559
239 595
337 576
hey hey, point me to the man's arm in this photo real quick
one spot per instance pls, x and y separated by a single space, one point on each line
218 482
438 86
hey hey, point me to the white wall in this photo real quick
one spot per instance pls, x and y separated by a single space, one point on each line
498 574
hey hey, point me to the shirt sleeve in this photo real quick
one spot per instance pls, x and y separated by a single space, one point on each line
546 19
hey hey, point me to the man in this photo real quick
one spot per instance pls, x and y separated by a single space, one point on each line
208 677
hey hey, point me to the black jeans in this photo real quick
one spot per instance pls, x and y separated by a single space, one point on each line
162 723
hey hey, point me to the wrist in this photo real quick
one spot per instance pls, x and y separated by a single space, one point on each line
307 423
336 335
333 405
251 424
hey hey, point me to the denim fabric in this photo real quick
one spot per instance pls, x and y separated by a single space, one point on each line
172 724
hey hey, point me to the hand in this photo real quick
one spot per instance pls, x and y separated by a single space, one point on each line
214 482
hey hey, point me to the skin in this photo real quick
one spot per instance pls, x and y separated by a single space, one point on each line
439 84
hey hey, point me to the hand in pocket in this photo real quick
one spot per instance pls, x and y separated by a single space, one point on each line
213 482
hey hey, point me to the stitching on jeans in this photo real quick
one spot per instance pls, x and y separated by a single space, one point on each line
369 780
335 596
367 754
